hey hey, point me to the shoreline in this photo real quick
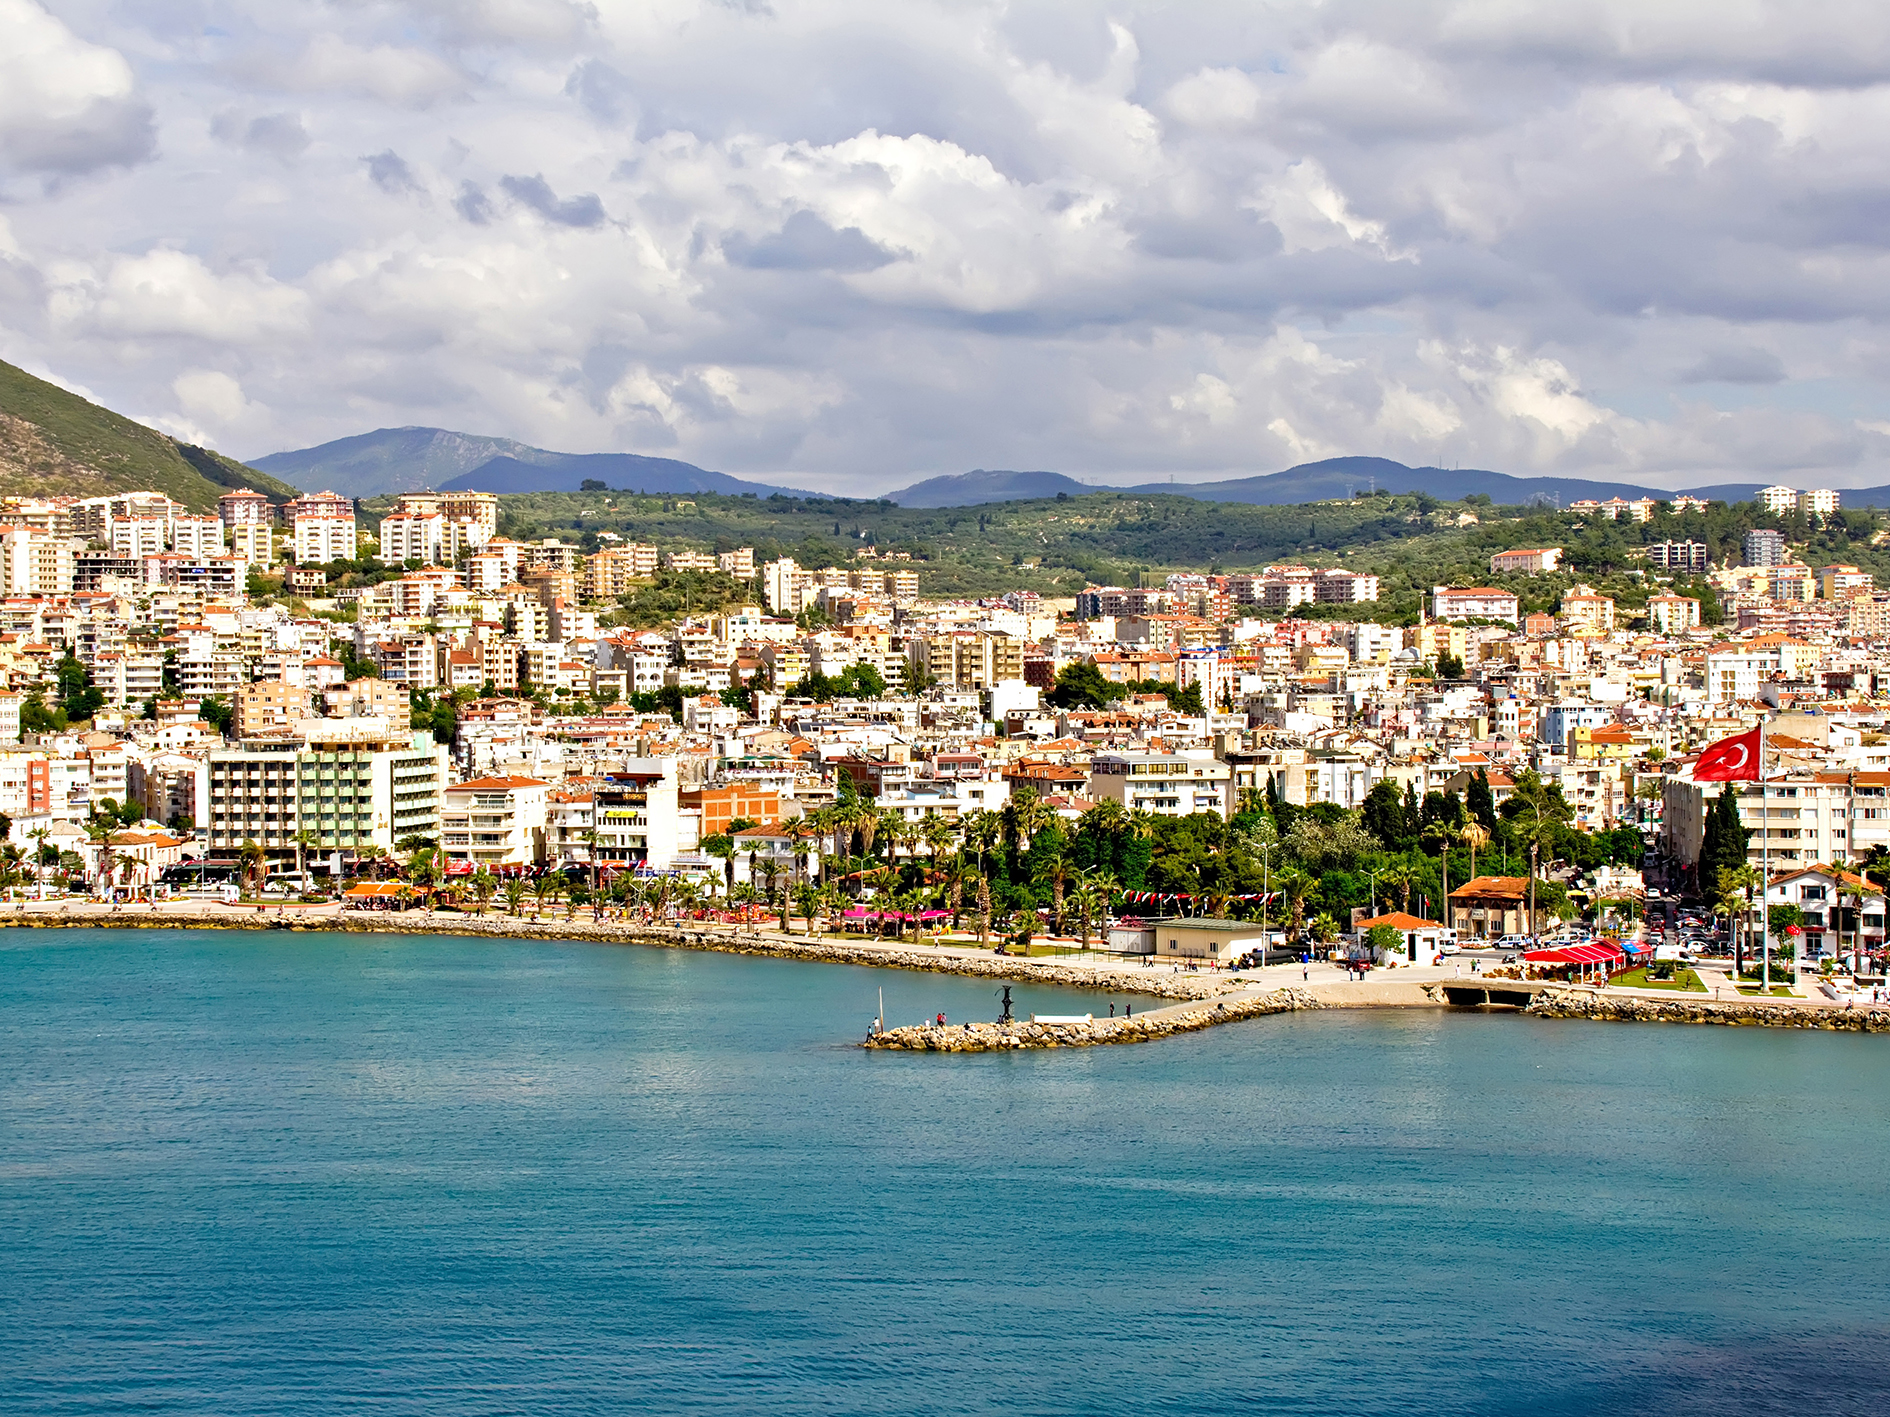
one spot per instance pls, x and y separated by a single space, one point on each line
1235 996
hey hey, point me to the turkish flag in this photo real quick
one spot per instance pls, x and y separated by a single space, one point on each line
1730 760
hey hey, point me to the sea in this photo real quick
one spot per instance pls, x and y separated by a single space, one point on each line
275 1173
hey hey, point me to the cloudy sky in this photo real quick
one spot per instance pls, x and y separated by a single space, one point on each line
849 243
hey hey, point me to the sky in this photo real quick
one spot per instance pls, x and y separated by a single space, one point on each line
847 244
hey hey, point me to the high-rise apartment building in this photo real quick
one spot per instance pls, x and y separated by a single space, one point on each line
1762 546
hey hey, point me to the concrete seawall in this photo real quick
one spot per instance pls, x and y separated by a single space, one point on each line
1145 1028
1751 1013
919 958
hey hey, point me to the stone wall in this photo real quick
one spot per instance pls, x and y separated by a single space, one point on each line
1586 1003
999 1037
857 952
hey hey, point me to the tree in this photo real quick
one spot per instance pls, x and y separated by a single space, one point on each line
213 711
255 861
1438 836
1723 847
1475 836
1081 685
722 847
1384 940
1295 885
1186 701
1449 666
1735 887
1051 865
515 889
304 841
1480 801
483 886
1382 814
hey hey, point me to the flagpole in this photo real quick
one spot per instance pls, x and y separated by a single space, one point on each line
1765 875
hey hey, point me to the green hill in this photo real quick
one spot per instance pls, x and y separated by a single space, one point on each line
54 442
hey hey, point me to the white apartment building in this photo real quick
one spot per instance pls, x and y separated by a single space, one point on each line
190 536
1526 562
36 563
494 822
1473 603
1778 500
1166 784
1805 817
408 538
140 537
352 782
318 538
1673 614
255 543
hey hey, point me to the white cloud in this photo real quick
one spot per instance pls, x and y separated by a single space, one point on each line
1215 98
65 105
172 293
852 243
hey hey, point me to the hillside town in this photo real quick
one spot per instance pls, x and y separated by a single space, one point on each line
481 721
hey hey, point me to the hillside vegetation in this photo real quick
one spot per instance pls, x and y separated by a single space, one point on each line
52 441
1057 545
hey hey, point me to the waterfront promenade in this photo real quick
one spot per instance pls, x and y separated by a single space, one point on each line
1241 994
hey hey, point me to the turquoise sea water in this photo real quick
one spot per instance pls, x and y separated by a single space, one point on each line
250 1173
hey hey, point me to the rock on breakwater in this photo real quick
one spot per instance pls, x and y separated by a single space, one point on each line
1163 1023
1587 1003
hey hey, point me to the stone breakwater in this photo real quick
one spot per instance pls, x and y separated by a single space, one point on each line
920 958
1164 1023
1586 1003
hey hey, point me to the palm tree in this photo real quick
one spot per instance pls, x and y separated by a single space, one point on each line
1440 836
251 854
1476 836
722 847
544 885
1296 886
1025 815
39 836
1736 885
1854 890
515 892
982 830
906 835
1323 928
939 836
868 822
592 839
1400 877
305 840
957 879
984 910
482 887
1055 867
808 897
1093 892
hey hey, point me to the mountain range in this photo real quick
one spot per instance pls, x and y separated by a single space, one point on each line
54 441
392 460
1309 482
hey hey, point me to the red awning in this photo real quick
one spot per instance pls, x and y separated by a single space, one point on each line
1575 954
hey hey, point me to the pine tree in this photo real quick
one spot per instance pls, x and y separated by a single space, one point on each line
1481 800
1724 846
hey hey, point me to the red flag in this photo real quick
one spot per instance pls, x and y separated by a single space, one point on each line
1733 759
